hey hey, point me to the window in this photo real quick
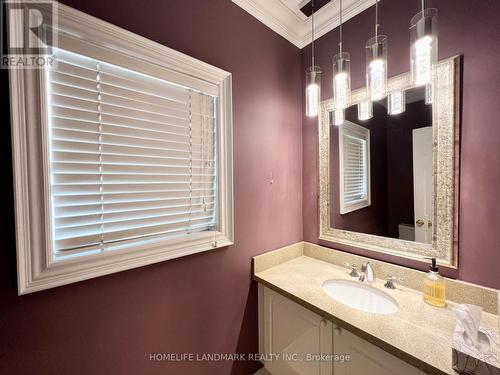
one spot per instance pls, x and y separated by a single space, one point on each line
354 167
136 162
131 156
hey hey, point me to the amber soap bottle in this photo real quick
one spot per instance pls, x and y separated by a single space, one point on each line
434 286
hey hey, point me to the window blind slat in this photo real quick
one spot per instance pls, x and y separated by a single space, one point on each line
97 247
65 135
97 207
150 87
79 168
107 179
118 229
60 145
93 126
78 200
130 216
132 156
116 161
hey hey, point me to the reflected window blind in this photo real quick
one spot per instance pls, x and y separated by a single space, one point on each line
355 173
132 156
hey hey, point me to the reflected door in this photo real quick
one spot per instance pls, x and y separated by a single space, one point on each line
422 183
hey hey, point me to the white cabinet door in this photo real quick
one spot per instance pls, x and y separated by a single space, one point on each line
291 334
366 358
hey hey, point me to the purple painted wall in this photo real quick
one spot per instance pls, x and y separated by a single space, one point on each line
468 28
200 303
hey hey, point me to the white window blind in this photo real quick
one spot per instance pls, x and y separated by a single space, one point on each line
354 167
132 157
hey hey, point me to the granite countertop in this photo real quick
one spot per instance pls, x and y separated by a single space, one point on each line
418 333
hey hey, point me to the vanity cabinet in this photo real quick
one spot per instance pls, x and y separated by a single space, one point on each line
366 358
289 333
292 339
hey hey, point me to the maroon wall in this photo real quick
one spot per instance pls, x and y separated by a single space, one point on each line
468 28
199 303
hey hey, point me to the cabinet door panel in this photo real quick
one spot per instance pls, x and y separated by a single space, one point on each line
366 358
292 334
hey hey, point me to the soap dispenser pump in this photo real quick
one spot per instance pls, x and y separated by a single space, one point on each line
434 286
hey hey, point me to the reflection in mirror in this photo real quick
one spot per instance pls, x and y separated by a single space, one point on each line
381 170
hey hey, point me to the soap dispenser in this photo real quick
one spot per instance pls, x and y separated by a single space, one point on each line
434 286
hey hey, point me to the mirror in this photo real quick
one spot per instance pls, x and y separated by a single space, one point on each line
388 182
381 171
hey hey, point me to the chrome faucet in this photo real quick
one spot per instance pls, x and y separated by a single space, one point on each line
367 273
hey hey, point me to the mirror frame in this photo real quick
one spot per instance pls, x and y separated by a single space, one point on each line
446 141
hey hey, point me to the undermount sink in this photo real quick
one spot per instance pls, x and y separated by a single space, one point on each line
360 296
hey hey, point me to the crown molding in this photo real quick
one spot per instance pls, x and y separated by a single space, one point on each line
285 18
277 16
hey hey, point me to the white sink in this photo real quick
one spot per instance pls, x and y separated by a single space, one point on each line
360 296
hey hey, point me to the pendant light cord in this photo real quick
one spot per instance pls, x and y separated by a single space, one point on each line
340 28
312 32
376 20
423 6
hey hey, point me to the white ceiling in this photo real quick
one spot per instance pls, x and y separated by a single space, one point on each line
286 19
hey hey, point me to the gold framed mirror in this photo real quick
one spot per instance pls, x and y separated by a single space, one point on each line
435 234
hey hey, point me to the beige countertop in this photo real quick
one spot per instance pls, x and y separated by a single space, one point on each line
418 333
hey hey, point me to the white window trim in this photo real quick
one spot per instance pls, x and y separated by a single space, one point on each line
355 130
36 268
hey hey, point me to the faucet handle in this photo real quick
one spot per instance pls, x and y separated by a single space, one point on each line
390 281
354 272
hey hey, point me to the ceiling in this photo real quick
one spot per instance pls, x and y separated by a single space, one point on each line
286 18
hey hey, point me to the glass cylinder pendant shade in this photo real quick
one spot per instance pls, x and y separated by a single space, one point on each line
396 102
428 94
424 45
376 67
342 80
338 117
365 110
313 90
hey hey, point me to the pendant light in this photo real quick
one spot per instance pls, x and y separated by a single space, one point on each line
376 63
338 117
365 110
313 78
428 94
424 45
341 73
396 102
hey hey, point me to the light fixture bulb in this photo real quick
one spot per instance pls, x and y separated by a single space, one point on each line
342 80
313 90
423 62
312 99
313 78
341 90
376 63
424 45
377 77
341 74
